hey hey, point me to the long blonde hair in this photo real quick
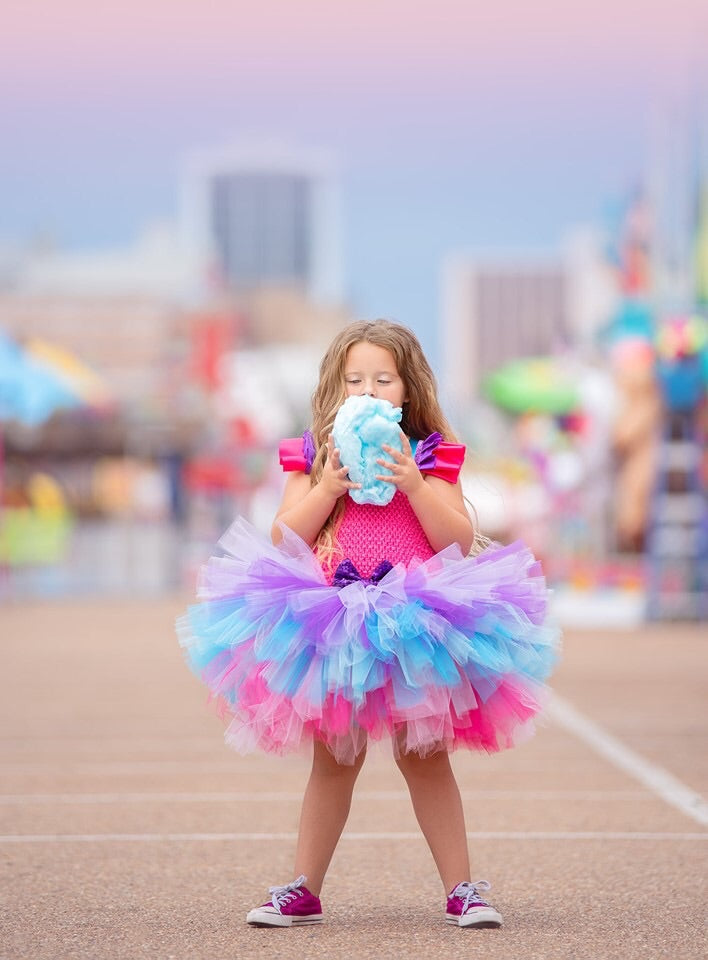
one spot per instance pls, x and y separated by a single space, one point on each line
421 412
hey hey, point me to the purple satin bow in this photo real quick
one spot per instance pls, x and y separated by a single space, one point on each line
347 573
308 449
425 451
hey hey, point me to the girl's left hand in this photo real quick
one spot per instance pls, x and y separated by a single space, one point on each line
405 474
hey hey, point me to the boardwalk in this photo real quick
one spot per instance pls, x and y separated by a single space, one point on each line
129 831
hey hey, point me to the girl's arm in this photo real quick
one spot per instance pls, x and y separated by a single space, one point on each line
441 512
438 505
304 508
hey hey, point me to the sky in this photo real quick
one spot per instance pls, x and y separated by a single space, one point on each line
454 124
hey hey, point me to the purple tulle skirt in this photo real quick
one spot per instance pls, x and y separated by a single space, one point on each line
446 653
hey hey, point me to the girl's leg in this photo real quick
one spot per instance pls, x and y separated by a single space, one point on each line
325 809
438 809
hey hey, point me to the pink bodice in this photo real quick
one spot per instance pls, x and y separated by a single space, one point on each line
369 534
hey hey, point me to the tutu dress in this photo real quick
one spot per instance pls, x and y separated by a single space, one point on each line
435 650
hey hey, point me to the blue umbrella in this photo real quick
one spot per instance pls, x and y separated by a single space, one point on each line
30 392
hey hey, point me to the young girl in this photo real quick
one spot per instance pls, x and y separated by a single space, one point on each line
364 621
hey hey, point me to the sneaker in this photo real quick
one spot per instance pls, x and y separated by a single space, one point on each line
465 907
289 906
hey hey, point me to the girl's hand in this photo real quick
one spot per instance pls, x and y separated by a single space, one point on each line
405 474
334 481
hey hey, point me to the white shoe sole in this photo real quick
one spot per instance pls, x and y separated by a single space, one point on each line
481 918
267 917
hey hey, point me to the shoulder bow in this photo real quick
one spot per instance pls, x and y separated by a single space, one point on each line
297 453
438 458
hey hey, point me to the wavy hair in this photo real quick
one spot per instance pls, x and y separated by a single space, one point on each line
421 413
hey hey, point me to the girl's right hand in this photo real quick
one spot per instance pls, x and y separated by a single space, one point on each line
334 481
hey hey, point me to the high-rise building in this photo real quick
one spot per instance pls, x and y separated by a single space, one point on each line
260 217
495 311
502 307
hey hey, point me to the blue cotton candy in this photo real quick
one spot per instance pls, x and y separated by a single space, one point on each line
361 427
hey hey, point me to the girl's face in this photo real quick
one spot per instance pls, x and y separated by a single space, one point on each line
371 369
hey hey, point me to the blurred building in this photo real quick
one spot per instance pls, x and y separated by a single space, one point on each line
284 315
263 217
129 340
498 308
154 266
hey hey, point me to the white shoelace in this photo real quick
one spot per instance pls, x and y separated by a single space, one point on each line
286 894
468 892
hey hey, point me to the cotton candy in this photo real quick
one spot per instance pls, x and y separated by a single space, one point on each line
361 427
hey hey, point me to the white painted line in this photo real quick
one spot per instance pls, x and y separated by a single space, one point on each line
379 796
375 837
664 784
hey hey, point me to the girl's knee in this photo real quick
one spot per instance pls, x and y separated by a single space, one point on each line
325 763
412 765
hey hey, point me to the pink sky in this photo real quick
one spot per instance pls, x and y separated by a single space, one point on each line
369 44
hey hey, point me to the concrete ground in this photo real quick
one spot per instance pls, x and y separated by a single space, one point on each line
130 831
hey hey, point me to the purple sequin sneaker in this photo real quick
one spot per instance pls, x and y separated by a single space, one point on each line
465 907
289 906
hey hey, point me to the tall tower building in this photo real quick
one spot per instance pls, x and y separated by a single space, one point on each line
261 217
495 310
